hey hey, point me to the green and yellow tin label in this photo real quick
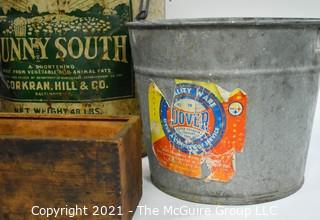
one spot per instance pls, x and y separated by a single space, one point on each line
65 50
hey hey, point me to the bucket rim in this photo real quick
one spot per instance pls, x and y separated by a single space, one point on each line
225 21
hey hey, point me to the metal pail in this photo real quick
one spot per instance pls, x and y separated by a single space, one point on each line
227 105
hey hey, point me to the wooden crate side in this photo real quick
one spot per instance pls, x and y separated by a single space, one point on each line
50 182
131 169
47 128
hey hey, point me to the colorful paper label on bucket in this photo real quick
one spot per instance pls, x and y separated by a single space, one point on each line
199 133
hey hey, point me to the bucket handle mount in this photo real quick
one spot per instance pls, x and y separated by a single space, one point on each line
143 10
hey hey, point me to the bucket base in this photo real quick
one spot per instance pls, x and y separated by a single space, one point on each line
215 200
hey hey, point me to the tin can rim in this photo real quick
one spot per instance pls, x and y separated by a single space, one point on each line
227 21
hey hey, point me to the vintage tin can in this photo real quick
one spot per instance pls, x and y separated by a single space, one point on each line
230 105
57 54
68 57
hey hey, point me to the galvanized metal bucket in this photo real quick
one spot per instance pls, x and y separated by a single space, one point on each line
227 105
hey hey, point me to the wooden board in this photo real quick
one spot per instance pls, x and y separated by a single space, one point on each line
53 162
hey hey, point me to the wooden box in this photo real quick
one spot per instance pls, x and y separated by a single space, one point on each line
69 162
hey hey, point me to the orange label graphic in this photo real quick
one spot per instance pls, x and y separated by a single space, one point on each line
198 134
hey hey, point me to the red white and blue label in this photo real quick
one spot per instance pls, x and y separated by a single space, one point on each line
196 122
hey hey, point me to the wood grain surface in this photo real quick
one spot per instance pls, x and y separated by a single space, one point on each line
49 169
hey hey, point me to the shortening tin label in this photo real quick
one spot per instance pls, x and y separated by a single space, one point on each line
66 51
198 134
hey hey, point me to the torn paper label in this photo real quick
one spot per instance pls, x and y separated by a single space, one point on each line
198 134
